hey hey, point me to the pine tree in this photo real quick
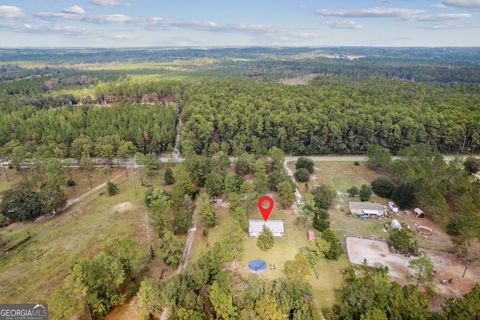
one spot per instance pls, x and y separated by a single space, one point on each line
265 239
206 209
168 176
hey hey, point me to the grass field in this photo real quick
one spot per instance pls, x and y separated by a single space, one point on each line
13 177
80 178
32 271
330 277
343 175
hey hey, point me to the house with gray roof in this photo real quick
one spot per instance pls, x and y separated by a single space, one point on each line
256 226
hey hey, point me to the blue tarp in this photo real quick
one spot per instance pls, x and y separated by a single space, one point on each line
257 265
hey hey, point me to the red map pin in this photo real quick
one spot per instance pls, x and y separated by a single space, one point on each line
265 211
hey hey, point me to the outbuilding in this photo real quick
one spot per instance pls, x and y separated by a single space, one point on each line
366 209
311 235
419 213
256 226
396 224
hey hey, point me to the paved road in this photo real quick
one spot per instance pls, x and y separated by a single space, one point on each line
132 162
362 158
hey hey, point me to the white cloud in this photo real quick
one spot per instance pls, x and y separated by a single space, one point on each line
78 13
469 4
159 23
441 26
438 6
62 29
374 12
346 24
74 10
109 18
105 3
440 17
11 12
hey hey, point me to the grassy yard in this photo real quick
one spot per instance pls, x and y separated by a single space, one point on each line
342 175
330 277
32 271
13 177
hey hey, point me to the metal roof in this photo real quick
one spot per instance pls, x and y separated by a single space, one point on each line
256 226
365 206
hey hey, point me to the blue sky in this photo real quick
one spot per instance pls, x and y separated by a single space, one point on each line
143 23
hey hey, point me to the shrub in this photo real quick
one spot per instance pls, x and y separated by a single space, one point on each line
353 191
335 246
402 241
169 177
365 192
320 220
182 221
471 165
21 202
242 166
356 163
304 163
323 196
453 226
383 187
112 188
302 175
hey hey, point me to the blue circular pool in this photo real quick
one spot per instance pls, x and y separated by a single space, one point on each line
257 265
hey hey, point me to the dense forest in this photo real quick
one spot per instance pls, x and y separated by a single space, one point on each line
151 128
333 115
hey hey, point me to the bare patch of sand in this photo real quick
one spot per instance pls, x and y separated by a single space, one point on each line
122 207
448 281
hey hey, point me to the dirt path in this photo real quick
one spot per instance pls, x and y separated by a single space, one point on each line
71 202
183 262
298 196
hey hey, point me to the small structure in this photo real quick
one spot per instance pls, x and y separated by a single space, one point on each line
419 213
257 265
424 231
256 226
393 207
311 235
366 209
396 225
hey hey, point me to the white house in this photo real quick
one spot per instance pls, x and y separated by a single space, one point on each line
256 226
366 209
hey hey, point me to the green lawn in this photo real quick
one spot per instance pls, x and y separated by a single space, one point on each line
330 272
13 177
32 271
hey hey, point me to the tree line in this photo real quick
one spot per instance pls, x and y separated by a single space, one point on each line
150 128
333 115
